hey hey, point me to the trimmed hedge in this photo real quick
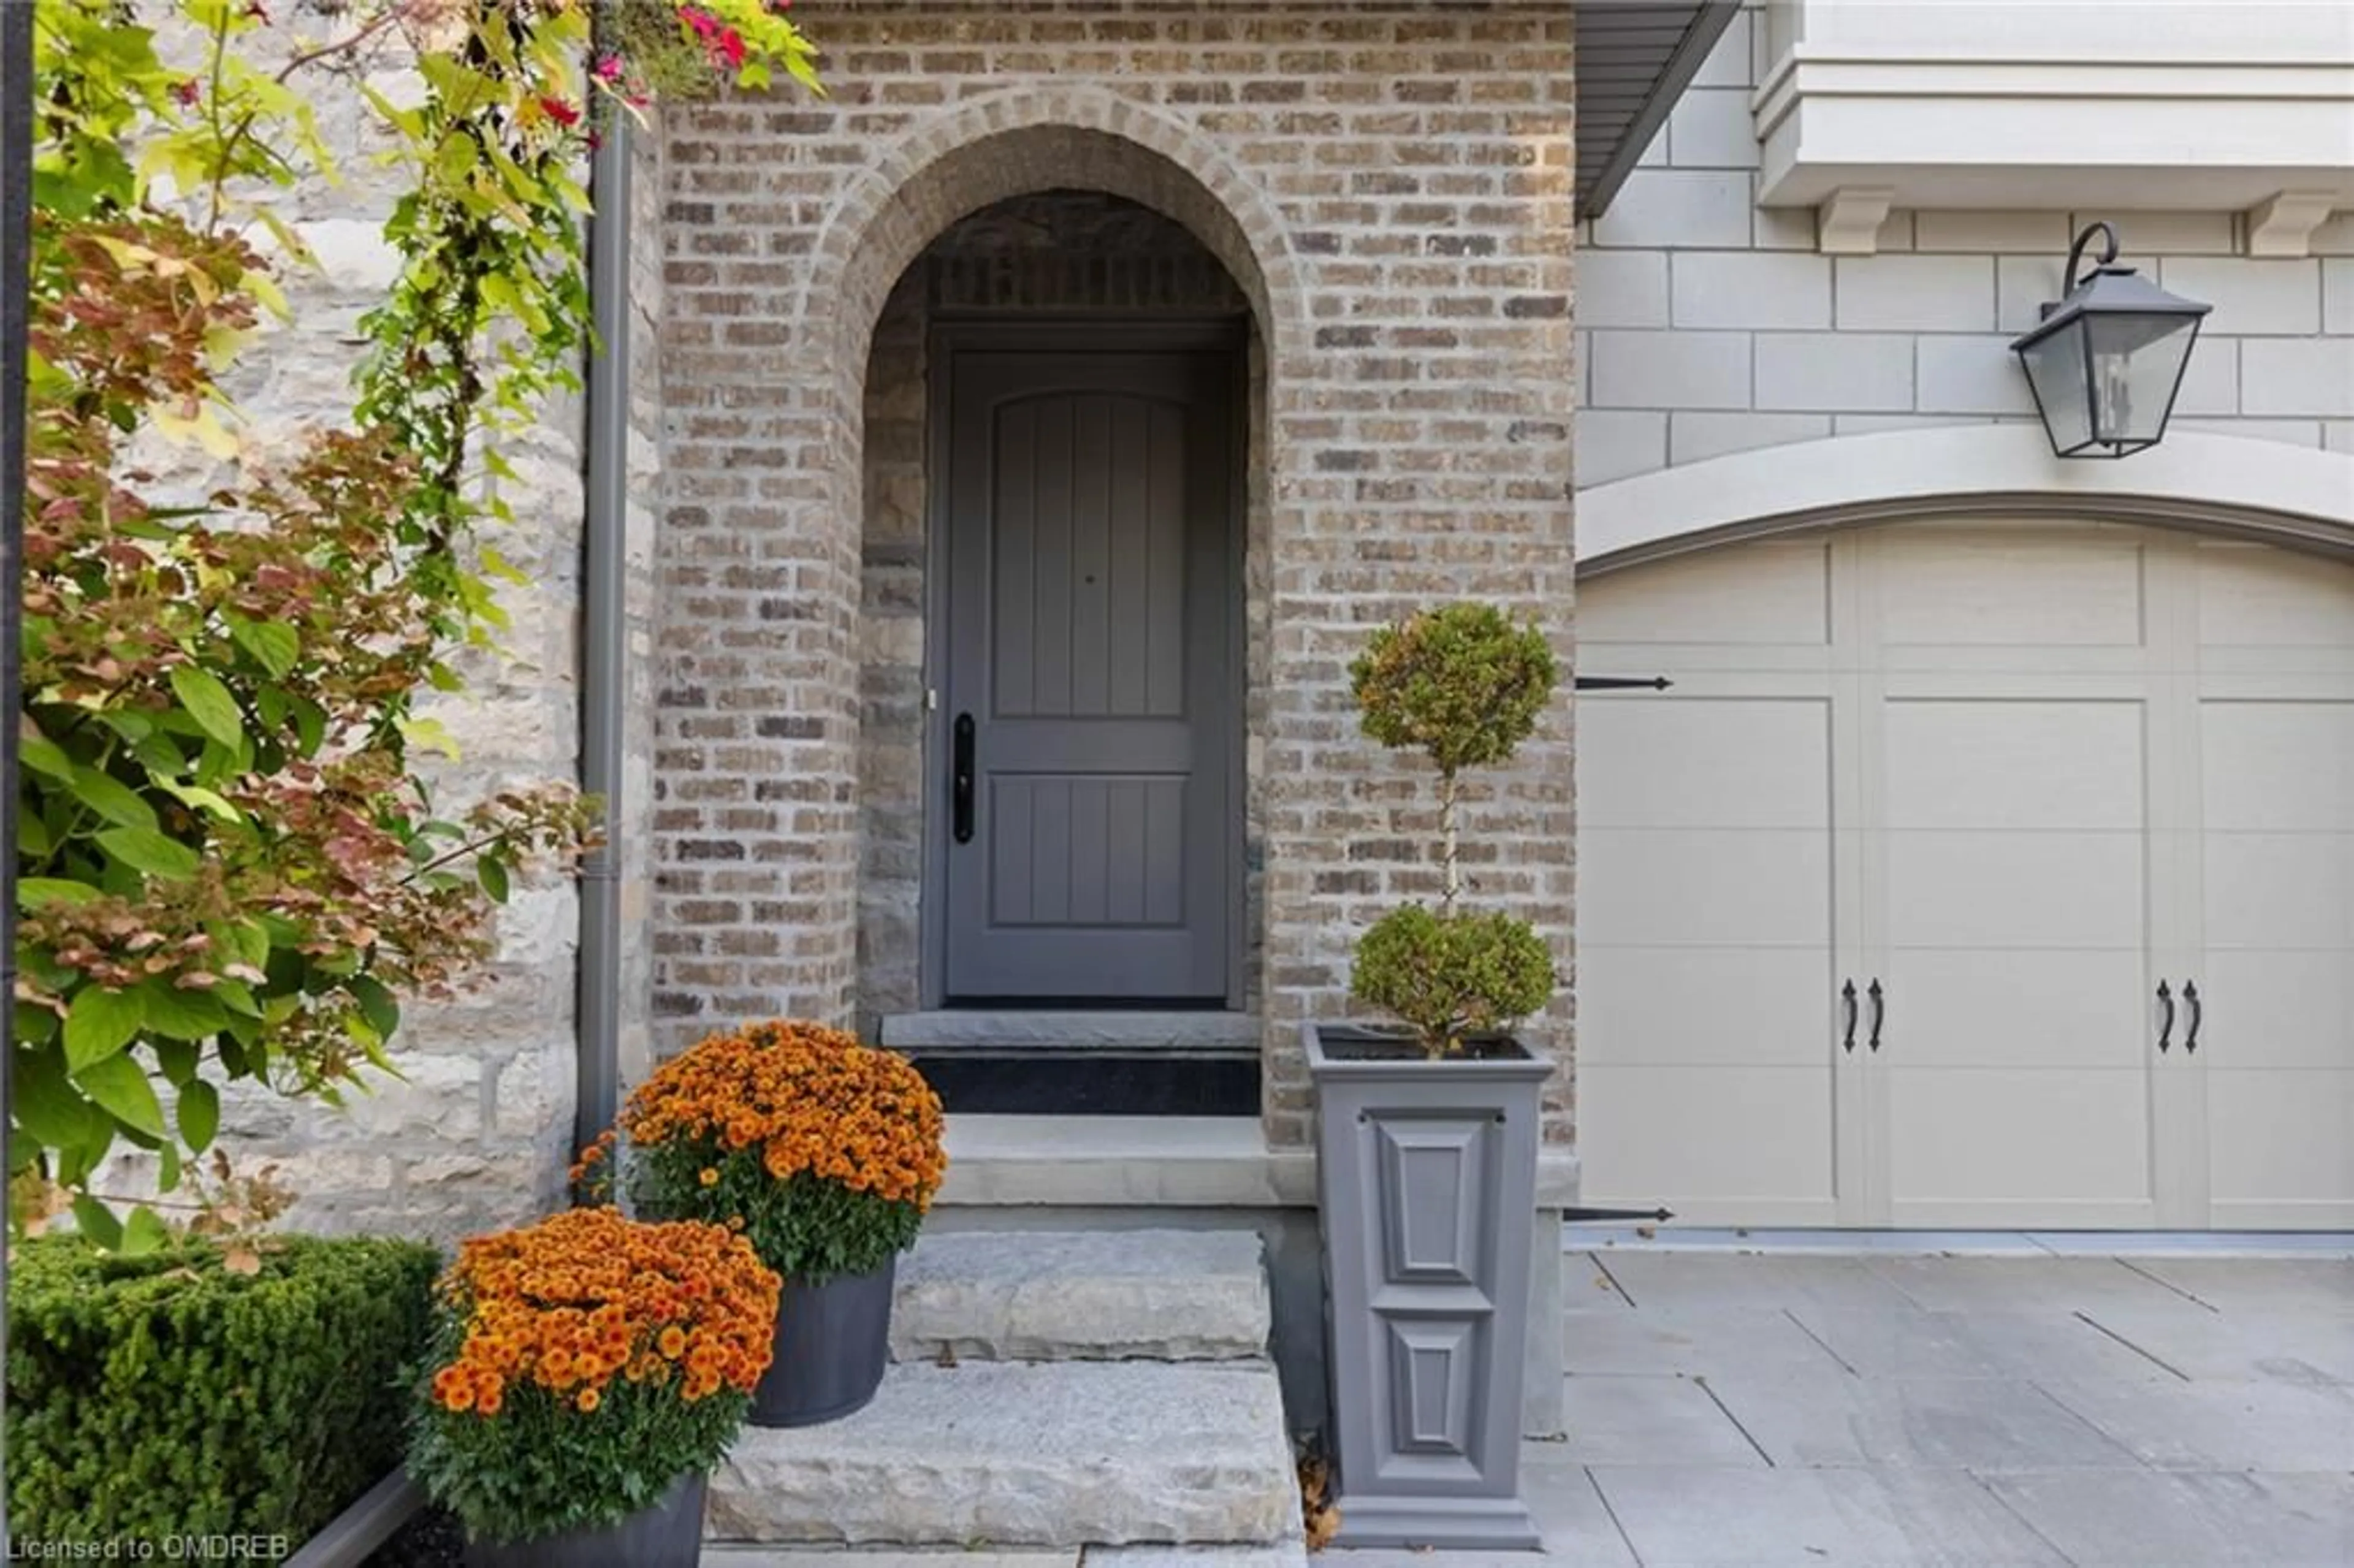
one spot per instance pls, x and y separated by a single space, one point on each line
162 1394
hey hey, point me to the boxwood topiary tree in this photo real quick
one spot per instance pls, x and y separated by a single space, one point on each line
1463 684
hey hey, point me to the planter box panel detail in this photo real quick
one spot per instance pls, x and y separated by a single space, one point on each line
1427 1173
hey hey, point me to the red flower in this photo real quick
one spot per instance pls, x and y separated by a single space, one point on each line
563 113
703 22
187 92
731 47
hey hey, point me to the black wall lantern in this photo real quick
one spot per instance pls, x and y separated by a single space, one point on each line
2106 363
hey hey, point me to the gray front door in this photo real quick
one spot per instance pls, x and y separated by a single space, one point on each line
1087 715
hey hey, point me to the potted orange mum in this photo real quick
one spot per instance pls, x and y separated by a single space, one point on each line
827 1154
586 1373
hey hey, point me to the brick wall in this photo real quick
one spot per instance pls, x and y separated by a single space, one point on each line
1710 325
1389 185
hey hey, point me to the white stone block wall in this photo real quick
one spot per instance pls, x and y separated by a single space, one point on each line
477 1130
1709 325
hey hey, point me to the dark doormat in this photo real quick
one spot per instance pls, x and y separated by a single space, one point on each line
1092 1083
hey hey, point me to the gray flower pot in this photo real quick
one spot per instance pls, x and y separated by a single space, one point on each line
667 1533
833 1341
1426 1180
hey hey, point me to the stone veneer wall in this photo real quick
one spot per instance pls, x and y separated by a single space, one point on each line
478 1133
1389 183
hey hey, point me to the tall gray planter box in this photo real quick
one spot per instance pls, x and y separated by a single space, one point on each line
1426 1178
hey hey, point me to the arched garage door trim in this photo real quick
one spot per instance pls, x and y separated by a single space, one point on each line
2223 486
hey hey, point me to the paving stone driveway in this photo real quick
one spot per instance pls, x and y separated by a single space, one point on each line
1883 1410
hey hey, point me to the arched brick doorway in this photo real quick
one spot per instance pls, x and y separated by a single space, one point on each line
1415 446
1087 648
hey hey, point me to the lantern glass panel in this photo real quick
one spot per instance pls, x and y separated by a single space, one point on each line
2136 363
2058 373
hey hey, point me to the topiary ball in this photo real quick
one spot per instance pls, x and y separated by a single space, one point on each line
1462 683
1449 976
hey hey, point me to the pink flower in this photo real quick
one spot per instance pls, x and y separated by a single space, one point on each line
187 92
703 22
608 69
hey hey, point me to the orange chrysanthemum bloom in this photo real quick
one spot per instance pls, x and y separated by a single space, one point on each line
809 1098
570 1302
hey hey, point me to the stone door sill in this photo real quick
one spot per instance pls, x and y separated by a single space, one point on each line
982 1030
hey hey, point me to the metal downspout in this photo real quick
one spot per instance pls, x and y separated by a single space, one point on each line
16 264
604 631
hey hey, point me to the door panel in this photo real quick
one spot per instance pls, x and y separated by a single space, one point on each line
1707 1072
2276 917
1089 617
1992 588
2013 1063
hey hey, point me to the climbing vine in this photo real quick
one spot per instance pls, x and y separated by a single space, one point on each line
230 864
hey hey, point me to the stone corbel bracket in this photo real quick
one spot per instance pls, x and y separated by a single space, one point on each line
1848 224
2283 224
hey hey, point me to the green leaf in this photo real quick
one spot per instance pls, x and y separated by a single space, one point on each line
198 798
119 1085
42 754
97 1222
132 727
181 1013
493 874
100 1023
377 1004
273 644
309 727
145 1232
147 850
112 799
48 1107
33 839
199 1115
177 1058
238 997
208 703
38 891
167 1172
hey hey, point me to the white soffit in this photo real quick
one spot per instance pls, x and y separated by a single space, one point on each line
2143 105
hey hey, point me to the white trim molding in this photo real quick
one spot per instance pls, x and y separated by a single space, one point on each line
2211 105
2218 484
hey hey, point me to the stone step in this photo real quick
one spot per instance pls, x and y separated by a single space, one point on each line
737 1554
717 1554
999 1454
1043 1296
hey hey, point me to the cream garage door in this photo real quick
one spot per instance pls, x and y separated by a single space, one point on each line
1875 905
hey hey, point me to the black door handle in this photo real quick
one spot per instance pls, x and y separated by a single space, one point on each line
1847 995
2165 1020
2198 1016
1878 1010
960 781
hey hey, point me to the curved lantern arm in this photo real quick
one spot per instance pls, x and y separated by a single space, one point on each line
2076 252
